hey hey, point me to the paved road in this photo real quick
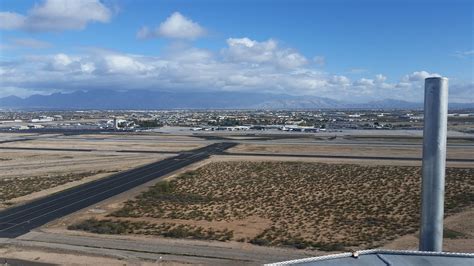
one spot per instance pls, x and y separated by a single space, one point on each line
195 251
20 220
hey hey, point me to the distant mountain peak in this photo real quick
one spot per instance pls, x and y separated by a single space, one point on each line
145 99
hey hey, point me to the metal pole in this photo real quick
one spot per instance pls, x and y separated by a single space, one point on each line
434 163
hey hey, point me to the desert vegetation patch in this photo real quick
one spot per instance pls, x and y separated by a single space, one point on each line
308 205
13 187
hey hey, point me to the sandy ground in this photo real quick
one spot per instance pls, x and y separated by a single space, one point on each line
116 202
8 136
242 228
348 149
103 161
226 158
102 145
111 142
42 255
462 222
24 163
20 163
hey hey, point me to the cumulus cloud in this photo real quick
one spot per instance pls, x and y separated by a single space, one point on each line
419 76
245 50
364 82
340 80
242 65
57 15
175 26
379 78
61 60
123 64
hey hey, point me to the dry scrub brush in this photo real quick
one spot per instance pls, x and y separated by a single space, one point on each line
324 206
15 187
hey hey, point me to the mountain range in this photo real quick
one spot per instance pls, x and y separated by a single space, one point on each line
144 99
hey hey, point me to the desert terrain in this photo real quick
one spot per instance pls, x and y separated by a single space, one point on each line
238 199
303 205
109 142
26 174
453 152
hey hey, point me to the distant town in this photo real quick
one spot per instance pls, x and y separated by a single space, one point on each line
227 120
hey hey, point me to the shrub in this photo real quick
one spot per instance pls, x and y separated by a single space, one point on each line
448 233
260 241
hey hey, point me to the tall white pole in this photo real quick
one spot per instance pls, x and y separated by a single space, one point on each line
434 163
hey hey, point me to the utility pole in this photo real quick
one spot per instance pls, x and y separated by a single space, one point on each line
434 163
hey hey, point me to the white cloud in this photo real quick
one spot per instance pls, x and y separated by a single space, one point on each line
11 21
419 76
254 66
57 15
364 82
62 60
88 67
29 43
245 50
175 26
379 78
340 80
124 64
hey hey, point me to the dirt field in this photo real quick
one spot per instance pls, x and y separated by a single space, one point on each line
25 175
110 143
302 205
355 150
29 174
245 200
38 255
239 158
458 234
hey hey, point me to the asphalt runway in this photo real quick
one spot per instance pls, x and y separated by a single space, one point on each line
14 140
19 220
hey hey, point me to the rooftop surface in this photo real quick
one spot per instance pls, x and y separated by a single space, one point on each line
377 257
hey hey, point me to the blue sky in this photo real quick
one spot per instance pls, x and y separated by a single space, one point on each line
365 50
